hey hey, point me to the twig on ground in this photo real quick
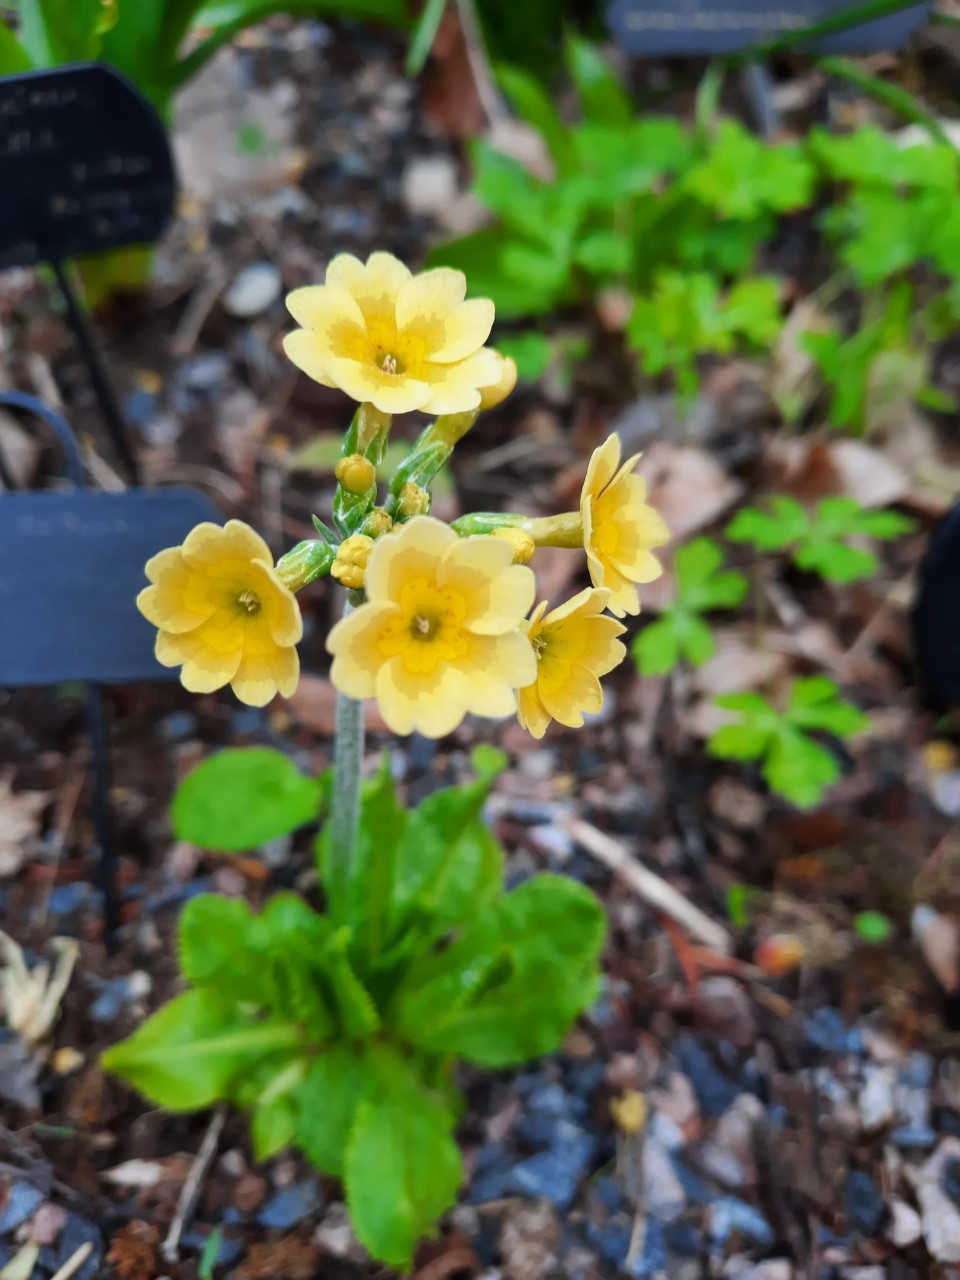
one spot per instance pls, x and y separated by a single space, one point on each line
191 1188
74 1262
661 895
487 91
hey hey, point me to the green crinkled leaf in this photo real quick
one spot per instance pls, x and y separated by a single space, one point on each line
510 986
532 352
785 522
216 935
448 864
741 176
242 797
799 769
403 1167
536 107
835 561
655 649
356 1011
815 703
602 96
696 639
370 879
699 584
738 741
488 259
337 1079
191 1051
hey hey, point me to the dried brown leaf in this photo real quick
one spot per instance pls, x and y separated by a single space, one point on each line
939 939
687 486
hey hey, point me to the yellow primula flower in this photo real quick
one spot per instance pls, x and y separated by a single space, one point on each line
224 614
575 644
392 339
440 634
619 527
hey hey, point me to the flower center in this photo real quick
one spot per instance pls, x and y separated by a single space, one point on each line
389 364
423 627
539 645
249 601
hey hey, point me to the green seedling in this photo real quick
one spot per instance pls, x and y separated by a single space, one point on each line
818 541
680 632
792 763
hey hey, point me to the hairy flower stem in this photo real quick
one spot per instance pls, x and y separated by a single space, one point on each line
345 802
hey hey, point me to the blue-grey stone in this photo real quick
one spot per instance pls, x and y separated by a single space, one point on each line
608 1192
683 1238
109 1004
66 898
729 1214
827 1031
575 1147
916 1136
863 1202
545 1175
715 1091
179 725
77 1232
228 1250
290 1206
23 1200
916 1070
653 1259
491 1174
612 1239
698 1189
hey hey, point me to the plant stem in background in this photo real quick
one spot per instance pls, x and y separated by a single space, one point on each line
883 91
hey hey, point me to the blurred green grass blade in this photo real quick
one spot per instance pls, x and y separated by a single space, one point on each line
423 37
891 95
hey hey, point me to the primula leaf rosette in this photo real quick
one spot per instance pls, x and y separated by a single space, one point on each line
223 614
440 633
395 340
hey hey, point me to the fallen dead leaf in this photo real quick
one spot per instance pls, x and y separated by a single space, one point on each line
687 486
134 1251
939 939
20 815
871 476
315 703
738 664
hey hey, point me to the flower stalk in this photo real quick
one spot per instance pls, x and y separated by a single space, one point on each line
564 530
345 805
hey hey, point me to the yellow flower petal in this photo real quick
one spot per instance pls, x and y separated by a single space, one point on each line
366 382
418 643
619 528
575 644
397 341
466 329
332 314
429 298
223 614
497 593
432 704
355 644
579 694
265 669
280 609
309 354
414 550
531 712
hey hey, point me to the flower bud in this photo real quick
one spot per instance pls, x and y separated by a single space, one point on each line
490 397
350 566
355 473
522 543
413 501
629 1111
377 523
305 563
